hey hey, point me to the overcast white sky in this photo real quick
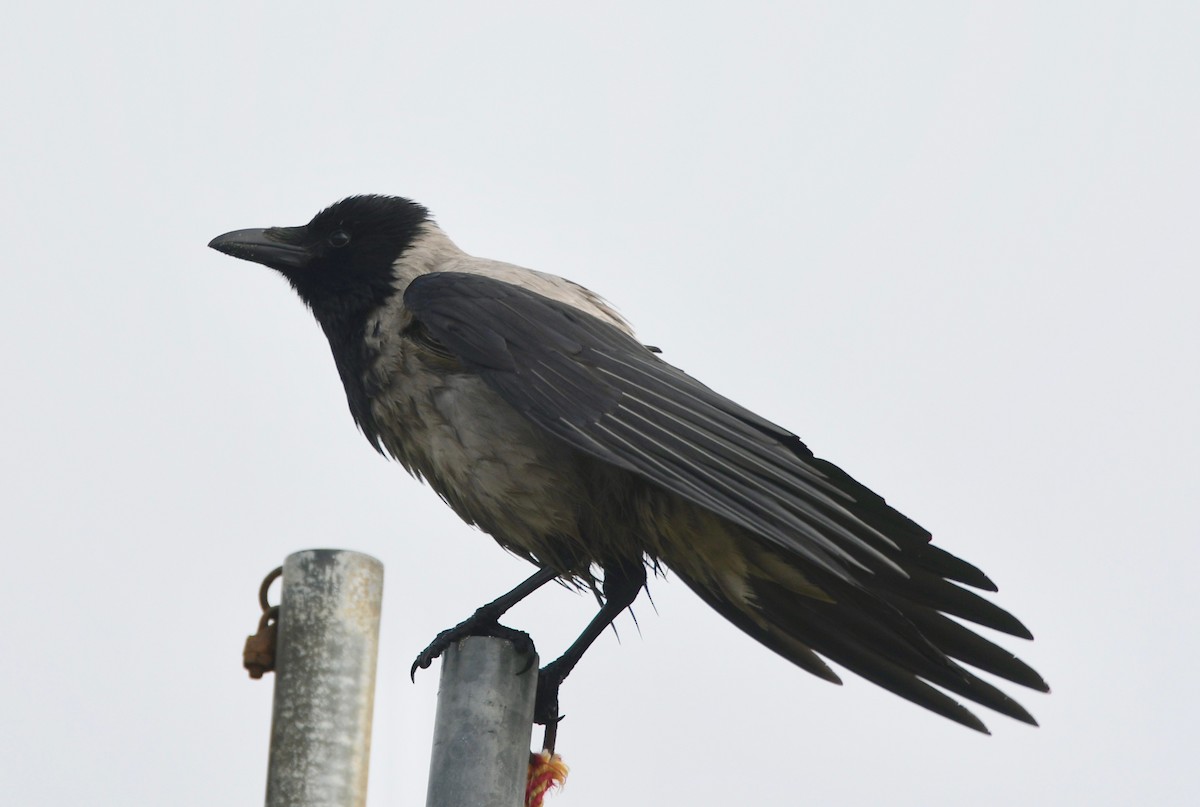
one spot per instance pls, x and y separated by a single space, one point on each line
954 246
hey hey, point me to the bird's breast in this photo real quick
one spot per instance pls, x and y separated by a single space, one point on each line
494 467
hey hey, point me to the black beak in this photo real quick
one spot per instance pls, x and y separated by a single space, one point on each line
268 247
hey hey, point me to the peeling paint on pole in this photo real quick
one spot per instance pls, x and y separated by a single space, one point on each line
325 679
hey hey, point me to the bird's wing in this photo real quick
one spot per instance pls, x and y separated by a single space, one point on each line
597 388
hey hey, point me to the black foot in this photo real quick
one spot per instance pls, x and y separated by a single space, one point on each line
545 704
475 625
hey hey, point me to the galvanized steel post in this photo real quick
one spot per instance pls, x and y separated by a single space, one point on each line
325 679
483 725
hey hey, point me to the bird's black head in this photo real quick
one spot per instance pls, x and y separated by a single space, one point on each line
341 265
340 262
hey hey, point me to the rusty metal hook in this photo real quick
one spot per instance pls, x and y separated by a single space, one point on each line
258 655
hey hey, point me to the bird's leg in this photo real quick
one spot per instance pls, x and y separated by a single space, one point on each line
485 621
621 587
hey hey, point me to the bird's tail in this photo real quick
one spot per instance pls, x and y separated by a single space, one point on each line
904 645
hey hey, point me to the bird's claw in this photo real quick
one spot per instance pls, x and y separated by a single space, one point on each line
473 626
438 646
545 704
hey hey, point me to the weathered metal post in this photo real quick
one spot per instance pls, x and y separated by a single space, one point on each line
483 725
324 679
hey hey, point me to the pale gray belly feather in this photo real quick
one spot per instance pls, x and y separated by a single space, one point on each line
534 494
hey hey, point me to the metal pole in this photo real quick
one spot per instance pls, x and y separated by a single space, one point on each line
324 679
483 725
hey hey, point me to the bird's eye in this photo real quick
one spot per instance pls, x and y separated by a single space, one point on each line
339 238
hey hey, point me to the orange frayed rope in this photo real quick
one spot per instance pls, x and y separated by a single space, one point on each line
546 772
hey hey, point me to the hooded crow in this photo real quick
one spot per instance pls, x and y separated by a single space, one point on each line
529 405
